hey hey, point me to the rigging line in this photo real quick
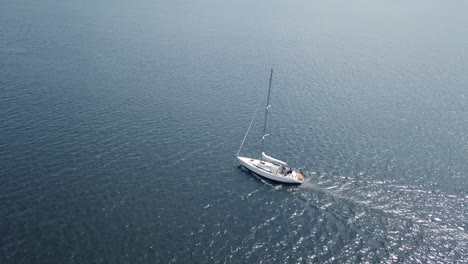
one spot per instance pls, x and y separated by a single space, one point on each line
251 121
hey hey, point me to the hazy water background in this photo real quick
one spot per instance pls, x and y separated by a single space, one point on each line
119 121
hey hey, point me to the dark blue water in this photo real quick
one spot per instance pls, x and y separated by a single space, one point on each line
119 121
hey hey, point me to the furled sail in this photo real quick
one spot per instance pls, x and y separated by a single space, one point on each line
273 160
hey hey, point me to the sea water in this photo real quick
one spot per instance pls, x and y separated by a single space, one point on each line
120 120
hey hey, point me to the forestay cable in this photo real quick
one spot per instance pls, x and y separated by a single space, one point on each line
253 117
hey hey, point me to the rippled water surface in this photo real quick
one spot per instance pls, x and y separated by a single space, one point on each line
119 121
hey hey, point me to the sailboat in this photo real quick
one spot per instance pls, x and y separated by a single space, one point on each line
267 166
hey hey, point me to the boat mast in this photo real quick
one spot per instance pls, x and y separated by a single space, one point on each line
266 113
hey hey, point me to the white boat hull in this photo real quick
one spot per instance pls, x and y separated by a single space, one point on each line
271 171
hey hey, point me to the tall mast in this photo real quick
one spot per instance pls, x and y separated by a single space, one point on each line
266 112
